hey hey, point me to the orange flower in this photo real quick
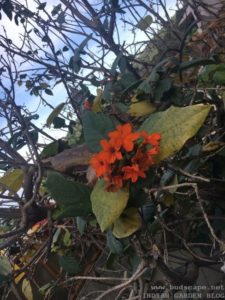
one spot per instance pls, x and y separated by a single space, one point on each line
133 172
123 137
152 139
111 151
99 164
115 183
142 159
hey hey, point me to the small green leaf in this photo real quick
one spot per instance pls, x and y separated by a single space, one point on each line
219 77
5 269
107 206
67 241
162 87
59 122
96 126
81 224
69 264
56 9
48 92
27 289
176 125
56 111
65 48
73 198
42 5
144 23
113 244
128 223
50 150
61 18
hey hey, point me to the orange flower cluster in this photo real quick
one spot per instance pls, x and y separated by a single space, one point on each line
127 155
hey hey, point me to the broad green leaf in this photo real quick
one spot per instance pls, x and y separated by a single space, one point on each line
27 289
59 122
141 108
128 223
96 126
72 197
144 23
69 264
219 77
50 150
176 125
56 111
162 87
107 206
5 269
12 179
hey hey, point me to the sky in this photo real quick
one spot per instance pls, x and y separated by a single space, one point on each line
32 102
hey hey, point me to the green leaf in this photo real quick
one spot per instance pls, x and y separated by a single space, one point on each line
75 61
67 241
96 126
128 223
56 111
163 86
84 43
27 289
107 206
5 269
73 198
219 77
81 224
33 135
144 23
59 122
196 62
113 244
7 7
50 150
65 48
13 179
61 18
42 5
56 10
176 125
69 264
48 92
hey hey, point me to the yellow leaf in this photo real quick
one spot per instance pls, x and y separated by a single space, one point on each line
20 276
128 223
96 107
107 206
176 125
168 200
140 109
12 179
212 146
27 289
